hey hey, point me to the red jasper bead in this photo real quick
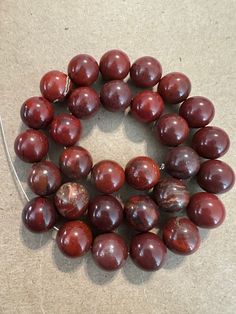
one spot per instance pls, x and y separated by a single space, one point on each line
146 72
83 70
174 87
206 210
55 86
74 238
31 146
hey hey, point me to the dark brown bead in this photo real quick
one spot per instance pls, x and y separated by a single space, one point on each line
181 236
109 251
215 176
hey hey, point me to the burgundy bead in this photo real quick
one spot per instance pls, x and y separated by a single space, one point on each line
105 212
146 72
71 200
75 162
83 70
211 142
84 102
37 112
109 251
181 236
108 176
55 86
39 214
171 195
215 176
172 130
147 106
148 251
65 129
198 111
141 212
115 96
74 238
31 146
44 178
206 210
114 65
182 162
142 173
174 87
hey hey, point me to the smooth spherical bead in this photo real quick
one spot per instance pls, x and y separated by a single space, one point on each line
141 212
55 86
84 102
171 130
215 176
37 112
31 146
65 129
147 106
181 236
147 251
115 96
114 65
198 111
142 173
174 87
44 178
211 142
71 200
146 72
75 162
206 210
108 176
105 212
74 238
171 195
109 251
39 214
83 70
182 162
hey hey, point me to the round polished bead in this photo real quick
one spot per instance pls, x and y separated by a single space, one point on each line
55 86
142 173
44 178
141 212
74 238
109 251
65 129
115 96
206 210
147 251
84 102
215 176
147 106
182 162
146 72
31 146
108 176
211 142
75 162
37 112
71 200
114 65
105 212
198 111
83 70
172 130
171 195
39 214
174 87
181 236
